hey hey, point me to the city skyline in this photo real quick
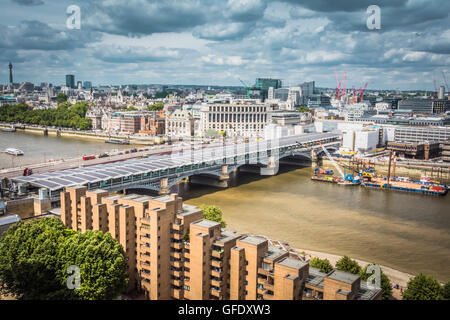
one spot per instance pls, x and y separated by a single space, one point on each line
194 42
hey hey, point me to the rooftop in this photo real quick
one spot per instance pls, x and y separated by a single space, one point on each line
206 223
274 253
253 240
227 235
188 209
292 263
315 277
342 276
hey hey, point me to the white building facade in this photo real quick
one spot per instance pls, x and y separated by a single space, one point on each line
243 120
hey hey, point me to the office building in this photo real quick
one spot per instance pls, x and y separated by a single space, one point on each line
421 134
244 120
87 84
416 105
172 253
281 94
446 151
441 92
70 81
415 150
441 105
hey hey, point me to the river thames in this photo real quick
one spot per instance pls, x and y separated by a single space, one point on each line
404 231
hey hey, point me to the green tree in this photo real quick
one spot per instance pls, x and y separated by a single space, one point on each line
102 265
348 265
156 107
323 264
34 257
28 258
423 287
61 97
386 286
131 108
213 213
303 109
446 291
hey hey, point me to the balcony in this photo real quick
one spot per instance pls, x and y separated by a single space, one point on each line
216 283
177 236
261 280
216 263
216 273
176 273
176 264
177 255
145 275
177 227
187 264
177 293
216 292
187 255
217 254
177 245
177 282
268 295
265 272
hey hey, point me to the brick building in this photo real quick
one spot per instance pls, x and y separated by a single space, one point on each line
173 253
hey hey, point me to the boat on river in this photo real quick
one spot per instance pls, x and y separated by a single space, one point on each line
14 152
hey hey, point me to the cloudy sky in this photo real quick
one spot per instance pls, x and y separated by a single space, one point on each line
217 42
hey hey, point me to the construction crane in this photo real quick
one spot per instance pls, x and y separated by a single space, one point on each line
332 160
247 87
338 83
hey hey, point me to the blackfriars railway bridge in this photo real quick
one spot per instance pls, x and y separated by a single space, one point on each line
210 166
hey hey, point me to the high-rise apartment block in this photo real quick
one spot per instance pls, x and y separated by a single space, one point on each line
173 253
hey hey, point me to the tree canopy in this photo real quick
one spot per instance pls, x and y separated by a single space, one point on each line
156 107
303 109
61 97
65 115
213 213
323 264
35 256
423 287
348 265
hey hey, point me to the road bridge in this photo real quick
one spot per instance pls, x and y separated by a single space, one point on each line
159 173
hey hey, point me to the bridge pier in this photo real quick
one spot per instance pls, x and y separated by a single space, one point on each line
164 186
271 169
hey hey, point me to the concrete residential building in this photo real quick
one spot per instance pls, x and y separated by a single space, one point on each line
172 253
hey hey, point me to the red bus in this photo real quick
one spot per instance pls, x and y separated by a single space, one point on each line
88 157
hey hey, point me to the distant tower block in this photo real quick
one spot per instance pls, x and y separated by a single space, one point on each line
441 93
10 73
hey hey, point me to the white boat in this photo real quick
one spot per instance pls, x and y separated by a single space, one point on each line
14 151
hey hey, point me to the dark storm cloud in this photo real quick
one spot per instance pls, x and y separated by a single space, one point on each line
36 35
29 2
